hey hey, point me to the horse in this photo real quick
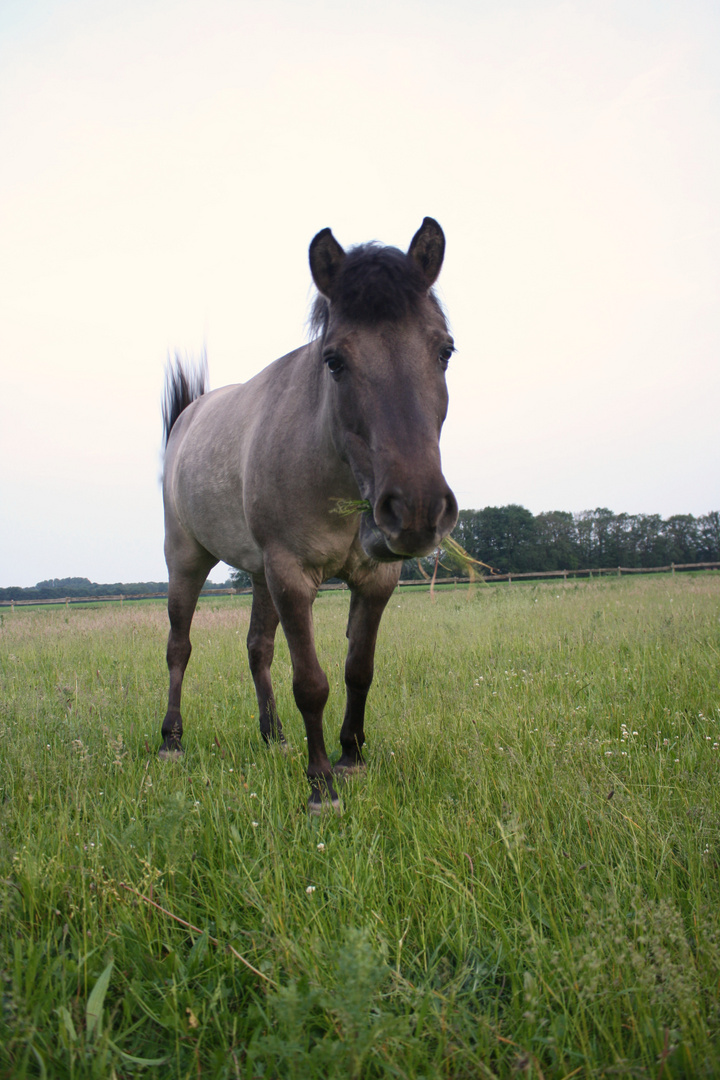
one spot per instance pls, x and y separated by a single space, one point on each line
255 474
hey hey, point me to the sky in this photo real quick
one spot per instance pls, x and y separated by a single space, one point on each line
164 166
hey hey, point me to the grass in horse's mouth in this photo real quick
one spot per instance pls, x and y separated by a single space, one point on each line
346 507
467 562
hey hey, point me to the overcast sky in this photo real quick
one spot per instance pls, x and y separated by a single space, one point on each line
164 166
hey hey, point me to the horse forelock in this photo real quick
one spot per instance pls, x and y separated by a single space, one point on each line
374 284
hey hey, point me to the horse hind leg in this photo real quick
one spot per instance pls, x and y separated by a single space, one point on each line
264 621
367 605
183 591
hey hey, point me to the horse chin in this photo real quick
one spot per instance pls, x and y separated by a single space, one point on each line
374 542
378 546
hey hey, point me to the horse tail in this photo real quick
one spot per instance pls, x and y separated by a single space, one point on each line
185 381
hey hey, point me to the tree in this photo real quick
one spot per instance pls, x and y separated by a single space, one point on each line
597 547
557 540
683 539
240 579
709 537
502 536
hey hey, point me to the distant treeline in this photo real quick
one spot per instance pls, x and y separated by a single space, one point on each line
59 588
512 540
508 538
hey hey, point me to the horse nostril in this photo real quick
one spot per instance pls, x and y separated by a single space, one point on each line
450 515
390 513
443 513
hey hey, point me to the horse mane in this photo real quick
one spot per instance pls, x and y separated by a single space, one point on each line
185 381
374 284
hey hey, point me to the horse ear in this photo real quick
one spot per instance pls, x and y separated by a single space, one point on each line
427 249
326 258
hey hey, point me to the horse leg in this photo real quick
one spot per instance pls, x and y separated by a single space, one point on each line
367 605
261 648
183 592
293 595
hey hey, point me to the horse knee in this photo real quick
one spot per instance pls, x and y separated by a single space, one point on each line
311 692
178 652
260 653
359 676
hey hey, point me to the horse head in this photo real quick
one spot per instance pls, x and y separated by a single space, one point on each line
385 345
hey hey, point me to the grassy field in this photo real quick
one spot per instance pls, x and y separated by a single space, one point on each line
524 884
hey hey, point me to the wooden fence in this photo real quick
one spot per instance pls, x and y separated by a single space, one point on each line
616 571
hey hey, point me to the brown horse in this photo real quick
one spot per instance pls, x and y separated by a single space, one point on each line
255 473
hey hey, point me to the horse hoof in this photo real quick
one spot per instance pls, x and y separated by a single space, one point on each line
326 806
342 772
323 798
170 753
273 737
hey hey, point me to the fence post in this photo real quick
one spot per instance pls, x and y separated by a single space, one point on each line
672 567
619 574
509 579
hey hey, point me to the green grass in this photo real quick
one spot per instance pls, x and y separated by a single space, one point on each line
524 884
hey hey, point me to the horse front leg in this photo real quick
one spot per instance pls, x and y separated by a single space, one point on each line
261 648
183 592
367 604
293 594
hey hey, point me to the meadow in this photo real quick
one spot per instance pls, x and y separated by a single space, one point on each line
525 883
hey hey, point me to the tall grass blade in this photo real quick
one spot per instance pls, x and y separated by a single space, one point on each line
67 1023
137 1060
93 1011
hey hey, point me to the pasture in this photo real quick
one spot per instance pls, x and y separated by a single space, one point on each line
524 884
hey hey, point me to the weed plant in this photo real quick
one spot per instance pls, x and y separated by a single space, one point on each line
524 884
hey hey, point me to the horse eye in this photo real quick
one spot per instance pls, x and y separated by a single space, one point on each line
334 364
445 354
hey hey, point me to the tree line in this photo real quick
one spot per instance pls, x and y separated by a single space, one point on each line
76 587
508 538
513 540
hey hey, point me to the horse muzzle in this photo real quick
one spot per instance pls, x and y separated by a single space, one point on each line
401 528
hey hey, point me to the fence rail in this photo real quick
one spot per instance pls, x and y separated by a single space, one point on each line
605 571
616 571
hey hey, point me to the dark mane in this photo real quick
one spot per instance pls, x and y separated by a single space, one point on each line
374 284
